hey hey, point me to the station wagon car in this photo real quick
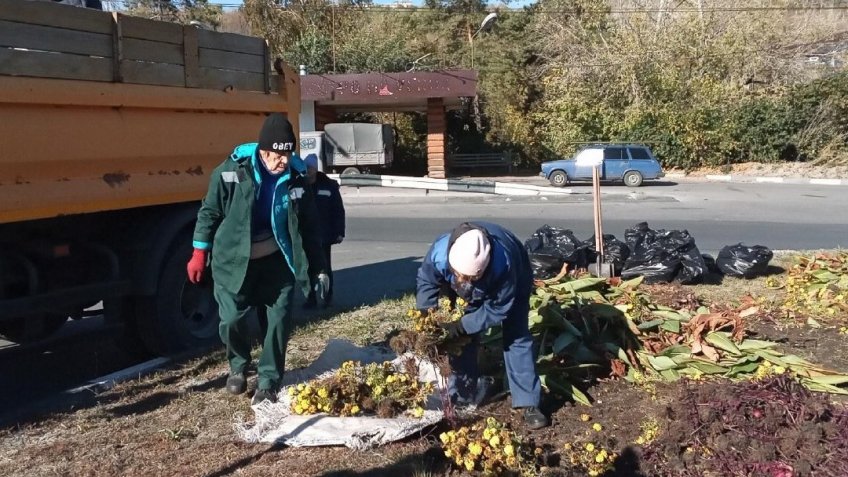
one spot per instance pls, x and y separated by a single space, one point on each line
629 163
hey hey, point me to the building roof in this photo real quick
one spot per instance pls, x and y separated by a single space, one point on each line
375 92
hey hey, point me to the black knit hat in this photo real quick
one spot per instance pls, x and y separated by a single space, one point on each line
277 134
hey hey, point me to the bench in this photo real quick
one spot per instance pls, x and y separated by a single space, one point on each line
473 161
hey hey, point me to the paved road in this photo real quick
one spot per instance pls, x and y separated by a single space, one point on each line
388 234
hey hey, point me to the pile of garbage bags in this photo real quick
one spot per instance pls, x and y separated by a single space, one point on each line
657 255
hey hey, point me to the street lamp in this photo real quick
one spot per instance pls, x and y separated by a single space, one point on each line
485 25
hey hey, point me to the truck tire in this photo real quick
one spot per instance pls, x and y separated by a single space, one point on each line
181 315
632 179
31 329
349 171
558 178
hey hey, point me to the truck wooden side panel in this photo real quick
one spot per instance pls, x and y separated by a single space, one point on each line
100 111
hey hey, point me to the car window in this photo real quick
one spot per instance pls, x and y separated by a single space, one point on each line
614 153
639 153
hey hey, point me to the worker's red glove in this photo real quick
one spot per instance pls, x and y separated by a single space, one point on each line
197 265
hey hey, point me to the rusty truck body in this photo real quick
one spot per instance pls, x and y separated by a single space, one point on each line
109 128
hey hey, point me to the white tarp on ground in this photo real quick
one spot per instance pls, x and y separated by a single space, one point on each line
275 423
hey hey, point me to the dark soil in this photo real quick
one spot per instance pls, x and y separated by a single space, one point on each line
772 427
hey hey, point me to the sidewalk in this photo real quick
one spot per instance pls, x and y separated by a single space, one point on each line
676 176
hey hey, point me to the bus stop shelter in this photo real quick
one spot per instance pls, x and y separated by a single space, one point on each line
432 92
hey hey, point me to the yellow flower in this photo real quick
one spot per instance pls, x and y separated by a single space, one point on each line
448 453
323 393
354 410
779 370
475 448
509 450
444 438
567 446
418 412
597 427
300 387
495 441
469 464
590 447
390 379
602 455
585 417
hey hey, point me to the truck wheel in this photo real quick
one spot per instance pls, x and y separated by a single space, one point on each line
633 179
350 171
31 329
558 178
182 315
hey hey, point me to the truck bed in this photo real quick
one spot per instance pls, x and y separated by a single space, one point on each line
102 111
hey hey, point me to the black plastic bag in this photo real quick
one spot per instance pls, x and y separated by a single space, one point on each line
742 261
616 252
663 256
550 247
710 262
545 266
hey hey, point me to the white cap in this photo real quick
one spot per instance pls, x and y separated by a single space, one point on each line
469 255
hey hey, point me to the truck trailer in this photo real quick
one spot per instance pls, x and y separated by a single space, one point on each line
111 125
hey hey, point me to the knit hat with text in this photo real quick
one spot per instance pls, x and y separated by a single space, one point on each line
277 134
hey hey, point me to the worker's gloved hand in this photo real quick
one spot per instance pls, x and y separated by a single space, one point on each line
197 265
322 286
453 329
340 239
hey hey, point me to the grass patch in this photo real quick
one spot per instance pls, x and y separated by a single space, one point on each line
180 422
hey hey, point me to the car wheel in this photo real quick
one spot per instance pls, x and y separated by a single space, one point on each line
349 171
633 179
558 178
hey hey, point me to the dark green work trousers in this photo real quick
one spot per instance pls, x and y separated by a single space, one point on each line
269 286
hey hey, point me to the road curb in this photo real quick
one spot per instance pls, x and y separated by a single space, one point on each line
85 394
448 185
760 179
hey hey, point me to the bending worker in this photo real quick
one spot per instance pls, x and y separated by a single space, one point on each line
262 232
488 267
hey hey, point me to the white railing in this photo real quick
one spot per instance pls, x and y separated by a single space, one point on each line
448 185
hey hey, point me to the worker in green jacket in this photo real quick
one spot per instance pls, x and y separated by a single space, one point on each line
260 225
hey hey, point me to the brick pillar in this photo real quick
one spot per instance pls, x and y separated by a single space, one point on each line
436 159
324 115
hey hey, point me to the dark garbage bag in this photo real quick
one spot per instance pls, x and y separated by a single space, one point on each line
616 252
663 256
711 263
551 247
742 261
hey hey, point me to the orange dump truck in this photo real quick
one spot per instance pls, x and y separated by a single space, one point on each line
109 128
